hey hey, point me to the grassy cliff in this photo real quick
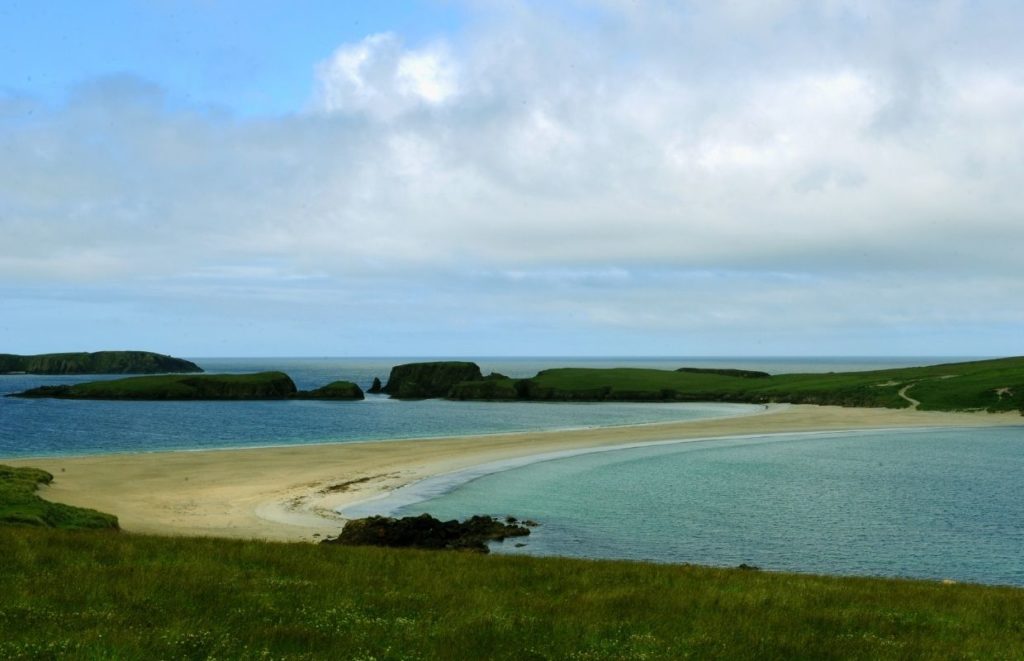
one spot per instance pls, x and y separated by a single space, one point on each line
989 385
100 362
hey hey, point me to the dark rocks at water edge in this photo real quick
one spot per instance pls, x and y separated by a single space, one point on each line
427 532
100 362
262 385
375 387
432 379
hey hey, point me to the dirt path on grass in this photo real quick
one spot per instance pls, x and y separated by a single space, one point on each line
903 393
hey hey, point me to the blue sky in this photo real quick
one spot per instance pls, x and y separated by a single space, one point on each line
655 177
249 58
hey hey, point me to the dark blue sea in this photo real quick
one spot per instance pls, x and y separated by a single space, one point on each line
42 427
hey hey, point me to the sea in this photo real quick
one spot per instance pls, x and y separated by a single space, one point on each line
937 504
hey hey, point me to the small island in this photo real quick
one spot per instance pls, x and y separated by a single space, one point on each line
262 385
429 379
100 362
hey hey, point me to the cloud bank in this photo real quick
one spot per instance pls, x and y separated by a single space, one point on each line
627 170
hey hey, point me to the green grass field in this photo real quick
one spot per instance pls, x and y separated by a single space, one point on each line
103 596
990 385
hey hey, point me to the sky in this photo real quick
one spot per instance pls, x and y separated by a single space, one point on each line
502 178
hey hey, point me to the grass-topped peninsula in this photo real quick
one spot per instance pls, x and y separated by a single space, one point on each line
262 385
987 385
89 595
100 362
20 505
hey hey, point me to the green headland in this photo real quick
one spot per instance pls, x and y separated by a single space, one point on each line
20 504
100 362
988 385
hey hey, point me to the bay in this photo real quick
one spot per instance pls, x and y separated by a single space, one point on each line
936 504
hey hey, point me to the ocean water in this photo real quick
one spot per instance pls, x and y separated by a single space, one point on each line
934 504
41 427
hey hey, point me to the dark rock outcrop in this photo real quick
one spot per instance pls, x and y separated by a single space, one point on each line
426 380
426 532
375 388
100 362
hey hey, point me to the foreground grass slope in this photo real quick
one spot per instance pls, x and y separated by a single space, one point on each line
20 505
990 385
89 595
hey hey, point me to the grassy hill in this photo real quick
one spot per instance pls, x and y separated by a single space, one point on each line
989 385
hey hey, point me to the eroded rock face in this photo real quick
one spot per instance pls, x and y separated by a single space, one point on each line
426 380
426 532
375 388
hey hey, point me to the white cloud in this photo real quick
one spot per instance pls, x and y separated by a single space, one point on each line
552 153
379 77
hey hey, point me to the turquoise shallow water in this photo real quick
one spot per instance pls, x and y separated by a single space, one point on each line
920 503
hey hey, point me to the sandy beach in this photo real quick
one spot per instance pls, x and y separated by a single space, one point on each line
291 493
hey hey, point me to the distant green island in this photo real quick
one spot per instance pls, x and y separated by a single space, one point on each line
100 362
262 385
985 385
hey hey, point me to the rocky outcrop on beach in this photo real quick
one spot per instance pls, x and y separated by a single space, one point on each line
427 532
426 380
100 362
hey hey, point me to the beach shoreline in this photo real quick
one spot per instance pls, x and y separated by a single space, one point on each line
292 493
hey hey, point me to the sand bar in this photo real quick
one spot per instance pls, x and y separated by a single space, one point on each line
291 492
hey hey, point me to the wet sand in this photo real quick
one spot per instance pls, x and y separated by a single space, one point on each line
290 492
